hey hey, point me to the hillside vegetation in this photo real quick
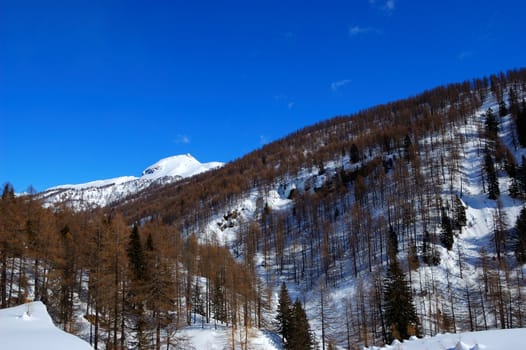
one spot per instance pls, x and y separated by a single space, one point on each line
403 219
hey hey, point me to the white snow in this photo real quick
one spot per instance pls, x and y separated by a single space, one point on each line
181 165
510 339
100 193
218 337
30 327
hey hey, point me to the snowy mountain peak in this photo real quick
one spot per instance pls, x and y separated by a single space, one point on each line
102 192
180 165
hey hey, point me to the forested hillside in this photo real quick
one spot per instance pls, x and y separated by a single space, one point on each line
403 219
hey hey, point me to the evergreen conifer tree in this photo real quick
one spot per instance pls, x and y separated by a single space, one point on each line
446 236
354 154
400 313
392 244
460 214
136 254
520 245
492 125
521 123
492 179
300 337
284 312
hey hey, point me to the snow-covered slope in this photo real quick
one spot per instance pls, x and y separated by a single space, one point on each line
488 340
102 192
30 327
459 269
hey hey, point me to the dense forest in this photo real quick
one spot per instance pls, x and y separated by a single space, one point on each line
381 206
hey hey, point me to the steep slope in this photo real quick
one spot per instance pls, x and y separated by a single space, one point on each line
100 193
322 206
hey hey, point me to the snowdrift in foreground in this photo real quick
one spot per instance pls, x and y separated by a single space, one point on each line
29 326
512 339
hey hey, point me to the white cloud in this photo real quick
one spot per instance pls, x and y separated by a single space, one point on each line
282 99
387 5
182 139
263 139
337 85
357 30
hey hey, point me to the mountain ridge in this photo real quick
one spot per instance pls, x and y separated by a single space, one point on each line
100 193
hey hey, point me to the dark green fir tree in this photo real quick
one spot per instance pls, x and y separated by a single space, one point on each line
300 337
520 244
400 313
284 313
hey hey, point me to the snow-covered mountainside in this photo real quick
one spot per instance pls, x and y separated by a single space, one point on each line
103 192
30 327
458 271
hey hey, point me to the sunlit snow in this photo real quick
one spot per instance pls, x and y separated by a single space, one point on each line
29 326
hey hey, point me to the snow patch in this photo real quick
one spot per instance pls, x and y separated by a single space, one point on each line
29 326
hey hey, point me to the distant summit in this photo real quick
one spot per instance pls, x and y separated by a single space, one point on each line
181 165
100 193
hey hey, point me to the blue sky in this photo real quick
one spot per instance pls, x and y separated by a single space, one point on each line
98 89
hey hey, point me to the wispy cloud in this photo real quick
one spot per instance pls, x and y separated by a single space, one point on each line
182 139
465 55
357 30
263 139
384 5
389 5
284 100
338 85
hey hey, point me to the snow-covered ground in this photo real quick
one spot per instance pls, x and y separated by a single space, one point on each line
29 326
210 337
509 339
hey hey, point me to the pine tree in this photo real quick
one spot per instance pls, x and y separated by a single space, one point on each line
492 179
354 154
392 244
430 254
520 245
300 337
446 235
138 286
400 313
521 123
136 254
492 125
460 214
408 144
284 313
